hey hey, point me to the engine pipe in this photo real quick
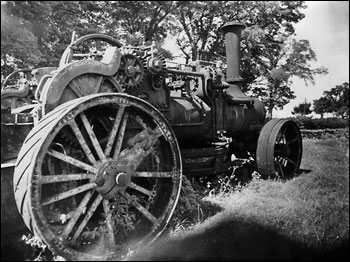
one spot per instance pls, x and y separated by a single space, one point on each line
232 31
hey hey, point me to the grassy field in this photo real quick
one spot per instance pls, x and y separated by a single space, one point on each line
305 218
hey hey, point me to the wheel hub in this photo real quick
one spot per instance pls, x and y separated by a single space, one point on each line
283 151
130 71
112 178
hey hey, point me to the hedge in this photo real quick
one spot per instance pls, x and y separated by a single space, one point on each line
320 123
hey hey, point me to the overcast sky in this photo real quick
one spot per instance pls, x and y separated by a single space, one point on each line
326 26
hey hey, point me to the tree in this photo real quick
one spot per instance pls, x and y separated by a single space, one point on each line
322 106
334 101
270 56
140 21
339 99
303 109
19 44
35 33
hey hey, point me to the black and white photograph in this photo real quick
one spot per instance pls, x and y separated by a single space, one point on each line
175 131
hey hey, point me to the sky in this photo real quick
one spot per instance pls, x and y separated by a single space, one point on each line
326 26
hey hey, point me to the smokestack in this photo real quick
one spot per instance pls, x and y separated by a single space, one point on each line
232 31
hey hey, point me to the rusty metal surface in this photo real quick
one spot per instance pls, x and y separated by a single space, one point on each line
53 90
206 161
125 162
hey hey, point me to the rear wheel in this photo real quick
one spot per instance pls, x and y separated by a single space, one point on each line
99 176
279 149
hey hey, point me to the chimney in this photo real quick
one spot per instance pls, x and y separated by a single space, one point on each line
232 31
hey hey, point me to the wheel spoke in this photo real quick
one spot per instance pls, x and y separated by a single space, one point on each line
290 161
87 217
155 174
68 193
72 161
140 208
92 136
82 141
109 224
114 131
65 177
75 88
120 136
98 45
280 135
293 140
140 189
78 212
98 84
279 164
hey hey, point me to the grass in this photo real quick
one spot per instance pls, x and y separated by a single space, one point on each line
306 217
312 208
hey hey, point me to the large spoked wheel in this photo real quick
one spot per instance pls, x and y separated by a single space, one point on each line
91 46
99 176
279 149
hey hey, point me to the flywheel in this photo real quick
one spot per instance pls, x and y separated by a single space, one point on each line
111 193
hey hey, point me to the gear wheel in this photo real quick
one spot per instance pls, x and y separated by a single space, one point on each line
156 66
131 72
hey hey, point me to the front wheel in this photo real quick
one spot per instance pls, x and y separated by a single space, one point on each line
279 149
98 177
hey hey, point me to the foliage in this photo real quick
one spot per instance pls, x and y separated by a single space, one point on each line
142 20
322 106
35 33
339 98
187 209
334 101
320 123
270 56
341 135
303 109
39 251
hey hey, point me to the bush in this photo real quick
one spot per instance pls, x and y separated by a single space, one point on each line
320 123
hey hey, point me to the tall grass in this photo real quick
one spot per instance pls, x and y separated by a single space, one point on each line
312 208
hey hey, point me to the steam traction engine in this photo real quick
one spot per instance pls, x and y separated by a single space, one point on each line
102 147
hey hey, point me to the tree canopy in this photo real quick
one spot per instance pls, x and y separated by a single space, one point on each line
35 33
303 109
334 101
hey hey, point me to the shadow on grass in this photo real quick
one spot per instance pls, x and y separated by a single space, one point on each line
303 171
233 240
236 241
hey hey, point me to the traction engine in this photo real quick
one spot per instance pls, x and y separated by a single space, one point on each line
99 144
